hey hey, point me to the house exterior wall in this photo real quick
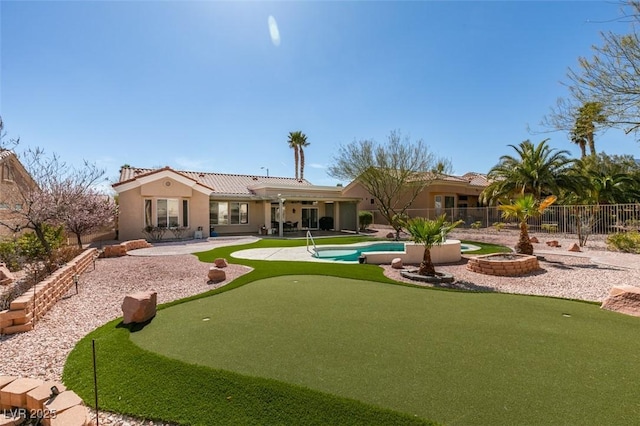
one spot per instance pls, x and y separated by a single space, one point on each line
464 196
15 183
131 213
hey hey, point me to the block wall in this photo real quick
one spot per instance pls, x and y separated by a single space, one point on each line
28 308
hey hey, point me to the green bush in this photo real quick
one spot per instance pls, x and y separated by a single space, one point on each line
31 247
476 225
365 218
627 242
10 255
499 225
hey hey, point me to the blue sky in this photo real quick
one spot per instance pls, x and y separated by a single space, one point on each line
202 85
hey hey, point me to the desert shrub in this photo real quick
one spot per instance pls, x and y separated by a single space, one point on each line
627 242
154 233
179 231
11 256
32 249
365 218
499 225
476 225
549 227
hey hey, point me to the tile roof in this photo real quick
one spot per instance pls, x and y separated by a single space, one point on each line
219 183
476 179
5 153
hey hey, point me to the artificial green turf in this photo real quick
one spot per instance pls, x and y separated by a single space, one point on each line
146 384
486 248
455 358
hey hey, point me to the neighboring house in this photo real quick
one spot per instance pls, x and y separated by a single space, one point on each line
15 183
225 203
454 195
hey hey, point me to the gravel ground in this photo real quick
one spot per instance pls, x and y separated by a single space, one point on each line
588 275
41 353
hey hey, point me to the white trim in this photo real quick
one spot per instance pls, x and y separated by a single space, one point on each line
142 180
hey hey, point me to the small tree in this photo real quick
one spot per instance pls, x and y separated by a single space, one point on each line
394 174
429 233
365 219
523 208
89 212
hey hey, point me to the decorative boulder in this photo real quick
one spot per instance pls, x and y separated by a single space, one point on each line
139 307
6 277
553 243
574 247
396 263
391 235
220 262
534 240
624 299
216 275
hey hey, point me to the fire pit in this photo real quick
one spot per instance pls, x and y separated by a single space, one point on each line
504 264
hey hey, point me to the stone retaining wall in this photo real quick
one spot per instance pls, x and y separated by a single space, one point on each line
23 399
25 310
122 248
521 264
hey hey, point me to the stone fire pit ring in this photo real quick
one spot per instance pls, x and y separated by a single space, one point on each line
504 264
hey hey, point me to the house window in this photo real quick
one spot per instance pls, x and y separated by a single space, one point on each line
449 202
167 213
148 218
7 173
185 213
18 207
224 213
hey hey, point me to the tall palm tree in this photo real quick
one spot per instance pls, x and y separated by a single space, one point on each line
302 144
297 141
583 132
537 169
429 233
523 208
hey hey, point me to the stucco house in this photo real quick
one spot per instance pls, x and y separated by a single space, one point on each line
458 196
15 184
218 204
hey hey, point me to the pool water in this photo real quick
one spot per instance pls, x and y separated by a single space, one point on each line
351 254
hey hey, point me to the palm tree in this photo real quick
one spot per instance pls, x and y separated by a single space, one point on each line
583 132
302 144
537 169
523 208
297 140
429 233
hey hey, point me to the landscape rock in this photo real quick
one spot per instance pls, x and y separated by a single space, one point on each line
216 275
391 235
220 262
574 247
6 277
396 263
553 243
624 299
139 307
534 240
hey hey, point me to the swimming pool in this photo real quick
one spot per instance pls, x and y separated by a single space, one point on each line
352 253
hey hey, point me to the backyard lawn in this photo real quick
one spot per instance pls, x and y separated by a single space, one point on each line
302 343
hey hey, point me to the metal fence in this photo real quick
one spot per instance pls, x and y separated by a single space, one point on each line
598 219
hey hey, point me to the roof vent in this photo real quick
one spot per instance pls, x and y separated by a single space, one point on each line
255 178
201 175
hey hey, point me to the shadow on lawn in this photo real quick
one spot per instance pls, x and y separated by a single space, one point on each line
135 326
